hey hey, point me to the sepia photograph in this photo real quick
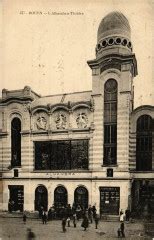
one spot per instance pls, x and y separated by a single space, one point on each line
76 119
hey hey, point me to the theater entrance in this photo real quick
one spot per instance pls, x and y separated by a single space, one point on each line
81 197
41 198
16 200
109 200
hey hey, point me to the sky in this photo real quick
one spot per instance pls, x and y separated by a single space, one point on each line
49 52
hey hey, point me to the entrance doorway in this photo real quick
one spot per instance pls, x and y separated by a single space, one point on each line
109 200
60 197
41 198
16 200
81 197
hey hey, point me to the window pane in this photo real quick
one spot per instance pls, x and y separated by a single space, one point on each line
144 143
61 155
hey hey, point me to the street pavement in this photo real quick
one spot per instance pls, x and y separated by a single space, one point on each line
14 228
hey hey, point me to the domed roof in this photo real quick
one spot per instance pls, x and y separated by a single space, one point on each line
115 23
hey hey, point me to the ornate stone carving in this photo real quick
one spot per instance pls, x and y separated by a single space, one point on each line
82 120
27 90
41 123
27 107
61 121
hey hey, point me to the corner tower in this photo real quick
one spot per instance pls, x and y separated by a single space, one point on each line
113 71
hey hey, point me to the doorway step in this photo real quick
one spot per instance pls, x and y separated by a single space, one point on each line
110 218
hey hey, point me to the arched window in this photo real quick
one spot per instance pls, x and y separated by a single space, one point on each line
144 143
60 197
110 122
41 198
16 142
81 197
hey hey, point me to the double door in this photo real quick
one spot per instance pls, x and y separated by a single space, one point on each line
16 200
109 200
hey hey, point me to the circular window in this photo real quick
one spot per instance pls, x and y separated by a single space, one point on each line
111 41
104 43
124 42
99 46
111 85
118 40
129 45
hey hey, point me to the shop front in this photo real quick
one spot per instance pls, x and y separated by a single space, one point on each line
109 200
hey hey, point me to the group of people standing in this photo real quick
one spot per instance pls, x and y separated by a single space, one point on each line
88 215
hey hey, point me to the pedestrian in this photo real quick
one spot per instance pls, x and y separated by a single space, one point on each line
96 221
119 232
127 214
78 212
122 228
85 223
68 221
94 211
74 220
44 217
30 234
40 211
121 216
64 224
90 214
24 218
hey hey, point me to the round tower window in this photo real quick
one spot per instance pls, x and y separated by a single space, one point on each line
124 42
104 43
99 46
129 45
118 40
111 41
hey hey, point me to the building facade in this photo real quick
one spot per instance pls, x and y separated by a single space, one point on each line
87 148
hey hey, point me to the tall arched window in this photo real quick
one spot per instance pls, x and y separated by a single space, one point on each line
60 197
144 143
41 198
16 142
110 122
81 197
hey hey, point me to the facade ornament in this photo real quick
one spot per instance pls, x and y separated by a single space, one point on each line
27 90
61 121
27 107
82 120
41 123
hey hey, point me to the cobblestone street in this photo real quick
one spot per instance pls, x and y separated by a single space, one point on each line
14 228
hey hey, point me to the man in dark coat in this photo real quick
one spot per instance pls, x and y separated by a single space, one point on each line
96 221
127 214
44 217
85 222
64 224
122 227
